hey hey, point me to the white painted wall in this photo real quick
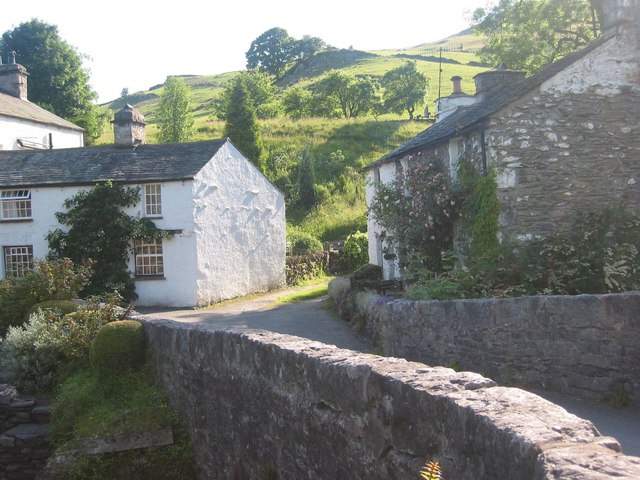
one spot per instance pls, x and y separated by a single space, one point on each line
13 128
240 229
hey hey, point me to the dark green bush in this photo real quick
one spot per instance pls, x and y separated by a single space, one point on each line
60 307
367 276
302 243
118 347
355 252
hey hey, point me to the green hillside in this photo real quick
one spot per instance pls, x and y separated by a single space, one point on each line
339 147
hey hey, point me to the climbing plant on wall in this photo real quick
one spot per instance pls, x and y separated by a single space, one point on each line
100 231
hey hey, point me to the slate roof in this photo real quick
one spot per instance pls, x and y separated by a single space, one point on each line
11 106
89 165
495 100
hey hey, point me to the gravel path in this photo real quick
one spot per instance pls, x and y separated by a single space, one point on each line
308 320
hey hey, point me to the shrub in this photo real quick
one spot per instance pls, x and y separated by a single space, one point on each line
300 242
355 252
118 348
60 307
367 276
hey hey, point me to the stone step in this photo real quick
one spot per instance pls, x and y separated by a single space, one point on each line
41 414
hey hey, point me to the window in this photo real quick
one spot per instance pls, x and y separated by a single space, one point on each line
152 200
17 261
148 252
16 204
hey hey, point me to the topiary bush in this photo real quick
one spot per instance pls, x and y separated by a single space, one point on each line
367 276
60 307
355 252
118 347
300 242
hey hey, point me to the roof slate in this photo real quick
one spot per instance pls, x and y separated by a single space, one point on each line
23 109
467 117
89 165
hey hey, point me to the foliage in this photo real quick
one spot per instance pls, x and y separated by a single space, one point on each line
417 212
352 96
262 92
296 102
301 268
175 120
367 276
300 242
405 89
307 294
241 125
59 307
57 78
117 348
49 280
89 406
100 232
271 51
431 471
34 354
355 252
531 34
307 182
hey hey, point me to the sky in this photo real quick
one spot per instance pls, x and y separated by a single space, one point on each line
136 44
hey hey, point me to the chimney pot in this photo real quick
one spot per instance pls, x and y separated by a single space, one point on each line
128 127
12 58
457 88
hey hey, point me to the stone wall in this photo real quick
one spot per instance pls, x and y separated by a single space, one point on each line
24 444
264 405
586 345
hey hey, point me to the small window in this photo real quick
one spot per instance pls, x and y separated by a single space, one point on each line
16 204
153 200
17 261
149 260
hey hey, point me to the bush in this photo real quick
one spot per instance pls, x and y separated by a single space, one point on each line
118 348
49 280
355 252
59 307
367 276
300 242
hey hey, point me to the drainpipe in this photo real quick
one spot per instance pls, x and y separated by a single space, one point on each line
483 150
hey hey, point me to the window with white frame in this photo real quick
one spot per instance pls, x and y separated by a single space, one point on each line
153 200
17 260
16 204
148 256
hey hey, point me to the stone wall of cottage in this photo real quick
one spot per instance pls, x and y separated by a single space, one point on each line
264 405
556 152
586 345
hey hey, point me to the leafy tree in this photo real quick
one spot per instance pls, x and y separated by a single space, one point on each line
307 47
531 34
307 182
57 80
353 96
241 124
271 51
296 102
100 232
174 112
261 88
405 88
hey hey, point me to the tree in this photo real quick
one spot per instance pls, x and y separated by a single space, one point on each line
57 80
100 232
174 112
271 51
241 124
307 182
353 96
296 102
531 34
261 88
405 88
307 46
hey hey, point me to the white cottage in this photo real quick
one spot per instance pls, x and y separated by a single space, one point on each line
25 125
227 219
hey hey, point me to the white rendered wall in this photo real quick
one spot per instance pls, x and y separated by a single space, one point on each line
13 128
240 229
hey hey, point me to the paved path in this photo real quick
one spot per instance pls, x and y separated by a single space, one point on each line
308 320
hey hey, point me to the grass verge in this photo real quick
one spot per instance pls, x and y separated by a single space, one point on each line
301 296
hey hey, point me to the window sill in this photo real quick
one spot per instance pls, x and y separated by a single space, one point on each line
145 278
16 220
156 217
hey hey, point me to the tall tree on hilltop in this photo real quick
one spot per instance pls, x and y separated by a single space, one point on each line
241 124
175 119
57 80
405 88
531 34
271 51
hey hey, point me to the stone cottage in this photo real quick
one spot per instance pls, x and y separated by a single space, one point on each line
227 219
25 125
565 137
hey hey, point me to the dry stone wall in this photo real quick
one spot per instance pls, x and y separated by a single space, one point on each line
264 405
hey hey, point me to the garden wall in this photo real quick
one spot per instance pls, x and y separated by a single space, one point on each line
264 405
585 345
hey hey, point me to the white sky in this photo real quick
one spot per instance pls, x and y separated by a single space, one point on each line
136 44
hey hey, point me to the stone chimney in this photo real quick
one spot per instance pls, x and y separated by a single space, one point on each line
457 87
617 16
128 127
13 78
486 81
